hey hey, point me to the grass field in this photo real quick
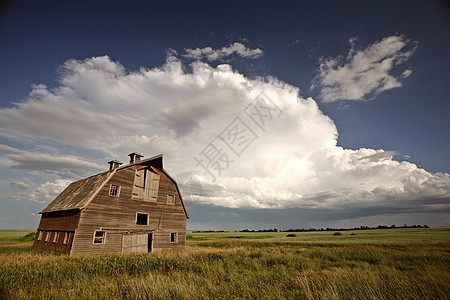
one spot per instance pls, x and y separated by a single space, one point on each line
14 237
398 235
373 264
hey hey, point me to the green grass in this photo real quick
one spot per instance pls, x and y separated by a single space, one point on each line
381 265
13 237
397 235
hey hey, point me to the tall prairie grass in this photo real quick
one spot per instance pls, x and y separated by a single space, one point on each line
234 269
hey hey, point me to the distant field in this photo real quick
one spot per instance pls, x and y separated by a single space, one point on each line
13 233
397 235
10 237
373 264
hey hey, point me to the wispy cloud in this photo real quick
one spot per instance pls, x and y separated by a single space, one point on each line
18 185
211 54
8 149
364 73
66 166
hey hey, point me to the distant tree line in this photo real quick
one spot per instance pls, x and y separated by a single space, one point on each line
320 229
356 228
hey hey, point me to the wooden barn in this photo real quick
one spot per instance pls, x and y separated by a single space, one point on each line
129 209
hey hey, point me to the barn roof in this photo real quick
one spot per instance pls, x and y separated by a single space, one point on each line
79 193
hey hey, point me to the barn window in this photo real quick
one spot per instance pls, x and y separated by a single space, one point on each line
146 185
141 219
66 238
114 190
171 199
174 237
55 237
47 237
40 235
99 237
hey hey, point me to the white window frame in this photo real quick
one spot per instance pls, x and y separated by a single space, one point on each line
117 190
176 237
47 237
171 202
103 237
142 213
40 232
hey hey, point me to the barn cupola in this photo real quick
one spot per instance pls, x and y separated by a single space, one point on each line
114 164
135 157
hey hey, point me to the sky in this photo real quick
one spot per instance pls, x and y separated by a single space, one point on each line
293 114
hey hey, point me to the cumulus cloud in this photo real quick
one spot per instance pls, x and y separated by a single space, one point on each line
55 116
126 144
386 155
216 54
235 142
48 191
364 73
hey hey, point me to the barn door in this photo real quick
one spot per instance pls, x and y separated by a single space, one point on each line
153 186
139 184
134 242
146 184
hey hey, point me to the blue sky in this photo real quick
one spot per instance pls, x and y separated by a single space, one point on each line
357 134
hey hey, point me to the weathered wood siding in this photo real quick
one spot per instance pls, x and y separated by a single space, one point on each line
63 220
117 216
135 243
56 223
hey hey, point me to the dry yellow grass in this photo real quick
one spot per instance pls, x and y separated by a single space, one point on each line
234 269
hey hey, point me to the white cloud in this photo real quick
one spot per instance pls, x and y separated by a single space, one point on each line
64 119
7 134
126 144
406 73
67 166
8 149
292 162
48 191
14 196
18 185
364 72
217 54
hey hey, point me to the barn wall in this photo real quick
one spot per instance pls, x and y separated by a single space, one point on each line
117 216
67 220
59 224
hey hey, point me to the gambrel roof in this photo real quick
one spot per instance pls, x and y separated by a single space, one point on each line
79 193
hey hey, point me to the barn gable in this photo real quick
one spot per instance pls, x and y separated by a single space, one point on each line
78 194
